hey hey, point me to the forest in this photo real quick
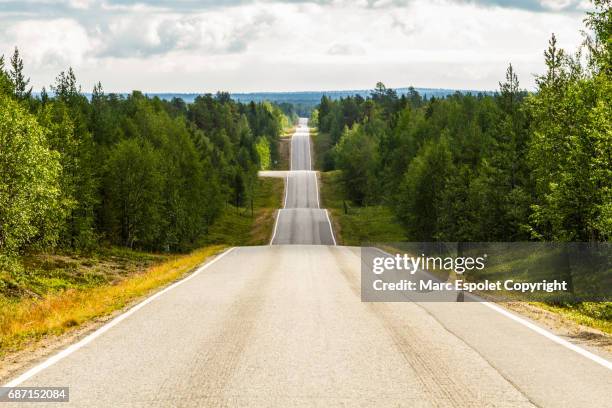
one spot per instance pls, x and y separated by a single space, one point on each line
513 166
128 171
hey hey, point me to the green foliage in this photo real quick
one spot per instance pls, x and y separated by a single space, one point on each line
133 186
29 186
263 152
357 225
502 167
420 201
131 171
356 155
19 81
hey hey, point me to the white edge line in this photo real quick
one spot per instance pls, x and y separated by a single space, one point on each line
317 187
286 190
331 230
562 342
291 152
591 356
309 155
89 338
275 226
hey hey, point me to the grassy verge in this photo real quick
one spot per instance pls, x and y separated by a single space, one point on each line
284 147
321 143
237 227
44 295
25 320
377 224
591 314
289 131
358 224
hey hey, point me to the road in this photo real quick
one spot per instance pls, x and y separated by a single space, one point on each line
301 220
283 325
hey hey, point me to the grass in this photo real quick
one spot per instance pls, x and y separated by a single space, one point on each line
376 224
288 131
284 147
48 294
358 225
237 227
592 314
26 320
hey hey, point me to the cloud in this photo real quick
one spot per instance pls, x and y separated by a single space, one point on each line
531 5
346 49
284 44
134 36
53 43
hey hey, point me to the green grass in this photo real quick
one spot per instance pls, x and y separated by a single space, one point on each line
37 274
237 227
48 294
592 314
359 225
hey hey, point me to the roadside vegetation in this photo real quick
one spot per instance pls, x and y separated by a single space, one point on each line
61 292
241 227
105 197
353 224
512 166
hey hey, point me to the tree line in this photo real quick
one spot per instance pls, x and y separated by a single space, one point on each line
128 170
506 167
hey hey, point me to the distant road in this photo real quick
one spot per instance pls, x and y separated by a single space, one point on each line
302 221
284 326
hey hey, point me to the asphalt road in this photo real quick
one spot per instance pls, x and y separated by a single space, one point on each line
301 220
283 325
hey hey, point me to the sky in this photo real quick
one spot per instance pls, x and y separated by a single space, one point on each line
286 45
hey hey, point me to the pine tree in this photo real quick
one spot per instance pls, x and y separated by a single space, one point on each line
20 82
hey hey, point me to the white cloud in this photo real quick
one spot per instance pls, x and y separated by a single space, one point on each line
250 45
45 44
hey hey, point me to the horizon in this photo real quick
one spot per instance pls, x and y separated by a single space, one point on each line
263 92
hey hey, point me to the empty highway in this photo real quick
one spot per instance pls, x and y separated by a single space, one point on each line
301 220
284 326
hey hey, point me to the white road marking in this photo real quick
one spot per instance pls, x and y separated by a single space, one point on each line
309 155
317 187
291 153
331 230
88 339
562 342
275 225
286 190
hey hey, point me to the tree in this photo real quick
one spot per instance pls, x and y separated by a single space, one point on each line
420 201
30 203
134 183
6 86
357 156
263 152
600 45
20 82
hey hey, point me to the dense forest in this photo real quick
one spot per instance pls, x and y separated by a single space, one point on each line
130 171
505 167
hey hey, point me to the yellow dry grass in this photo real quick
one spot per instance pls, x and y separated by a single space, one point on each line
28 320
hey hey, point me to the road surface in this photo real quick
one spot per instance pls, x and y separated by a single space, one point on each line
301 220
283 325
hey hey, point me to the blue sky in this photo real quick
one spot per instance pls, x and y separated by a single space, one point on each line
282 45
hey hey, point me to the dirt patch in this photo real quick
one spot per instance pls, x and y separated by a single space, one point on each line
262 228
565 327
